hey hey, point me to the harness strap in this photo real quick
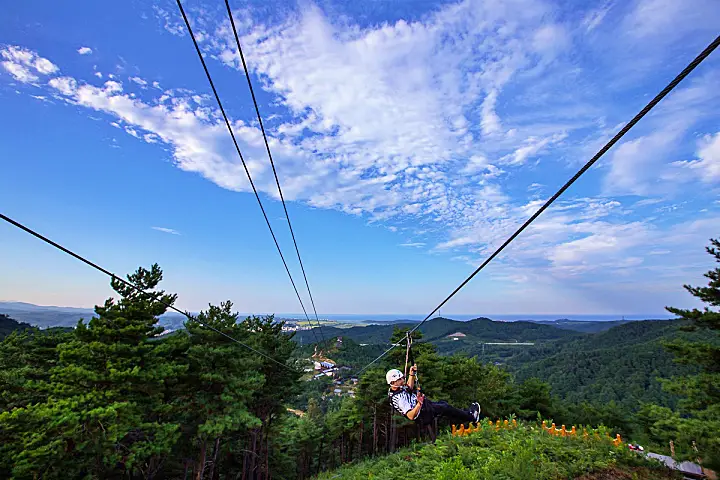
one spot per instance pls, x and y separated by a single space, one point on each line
408 352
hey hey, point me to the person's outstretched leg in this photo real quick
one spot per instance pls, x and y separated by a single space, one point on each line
462 416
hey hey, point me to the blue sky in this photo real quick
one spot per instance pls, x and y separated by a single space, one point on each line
410 139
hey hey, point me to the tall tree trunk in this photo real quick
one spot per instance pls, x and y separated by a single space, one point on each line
391 436
215 458
360 442
260 454
246 459
267 450
201 461
375 430
320 453
254 460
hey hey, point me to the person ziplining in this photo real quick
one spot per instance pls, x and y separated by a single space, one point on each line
408 401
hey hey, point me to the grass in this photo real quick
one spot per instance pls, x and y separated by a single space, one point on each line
525 452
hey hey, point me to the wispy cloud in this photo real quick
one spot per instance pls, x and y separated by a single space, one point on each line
84 50
707 165
594 18
438 124
139 81
166 230
25 65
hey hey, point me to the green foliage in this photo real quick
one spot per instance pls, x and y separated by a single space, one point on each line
103 407
697 417
620 365
534 399
525 452
26 358
8 325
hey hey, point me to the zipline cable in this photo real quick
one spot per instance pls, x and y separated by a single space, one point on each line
697 61
272 163
242 159
136 288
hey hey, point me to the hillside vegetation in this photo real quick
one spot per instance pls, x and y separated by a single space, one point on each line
436 331
526 452
8 325
620 365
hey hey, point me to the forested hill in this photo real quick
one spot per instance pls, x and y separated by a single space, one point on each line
437 331
8 325
582 325
621 364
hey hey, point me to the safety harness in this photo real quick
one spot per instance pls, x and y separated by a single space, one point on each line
409 361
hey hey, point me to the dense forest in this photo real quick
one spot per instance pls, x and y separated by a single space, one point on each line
237 398
8 325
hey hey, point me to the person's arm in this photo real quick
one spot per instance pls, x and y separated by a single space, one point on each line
412 376
416 410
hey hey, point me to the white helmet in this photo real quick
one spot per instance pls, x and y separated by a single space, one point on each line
393 375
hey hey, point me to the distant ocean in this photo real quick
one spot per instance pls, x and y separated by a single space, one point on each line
354 318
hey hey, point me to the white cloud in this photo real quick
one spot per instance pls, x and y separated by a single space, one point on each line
133 132
169 21
490 122
112 86
166 230
707 166
648 165
631 170
551 39
532 147
20 72
139 81
25 65
595 17
65 85
412 244
606 246
84 50
657 17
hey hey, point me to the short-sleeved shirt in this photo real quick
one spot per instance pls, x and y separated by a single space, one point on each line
403 400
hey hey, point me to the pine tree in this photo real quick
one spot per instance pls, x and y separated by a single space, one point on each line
105 414
26 358
269 399
698 413
213 396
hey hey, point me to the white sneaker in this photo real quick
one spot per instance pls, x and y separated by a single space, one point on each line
475 411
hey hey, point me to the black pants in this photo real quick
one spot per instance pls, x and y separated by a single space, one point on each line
430 410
